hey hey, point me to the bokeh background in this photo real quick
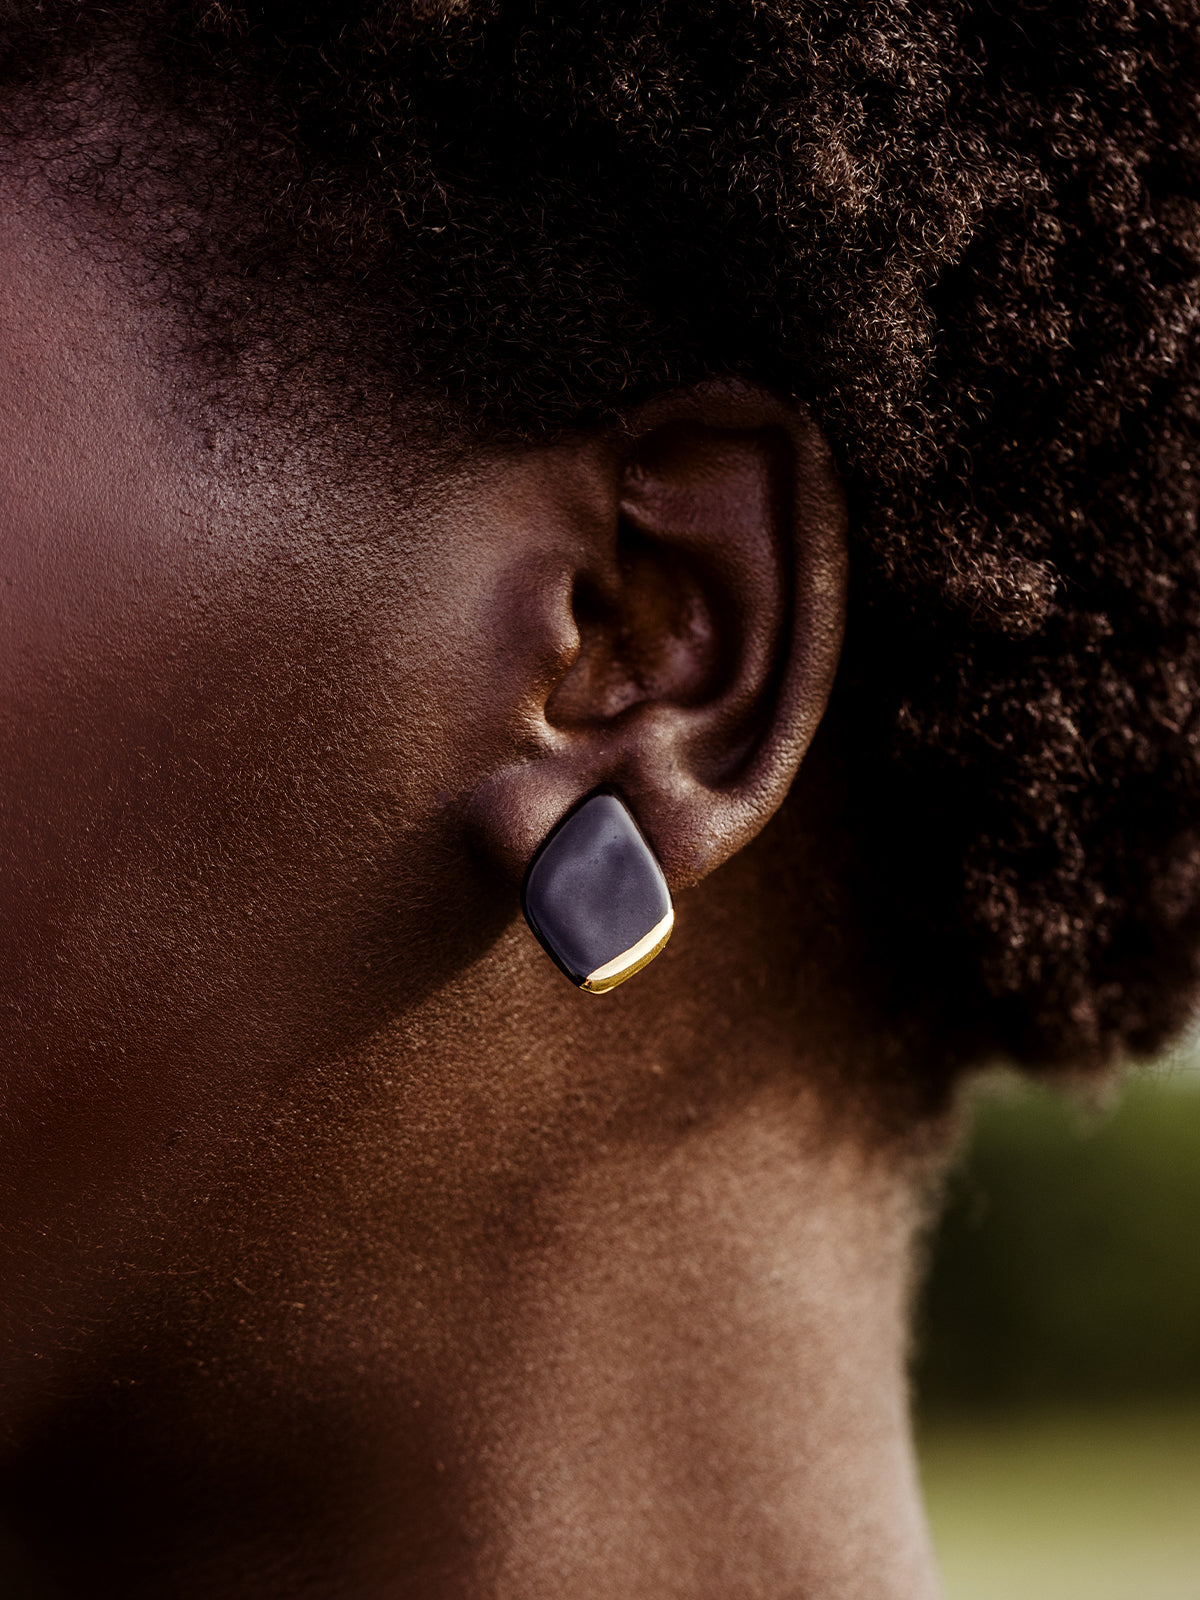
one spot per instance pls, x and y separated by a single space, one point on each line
1058 1365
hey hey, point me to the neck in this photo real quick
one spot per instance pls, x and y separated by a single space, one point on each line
717 1328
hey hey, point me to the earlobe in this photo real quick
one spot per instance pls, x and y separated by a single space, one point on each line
707 595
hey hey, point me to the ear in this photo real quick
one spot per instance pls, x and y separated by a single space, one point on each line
694 621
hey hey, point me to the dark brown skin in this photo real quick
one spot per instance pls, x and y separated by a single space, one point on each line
348 1250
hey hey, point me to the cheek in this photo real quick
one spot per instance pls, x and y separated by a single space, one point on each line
233 742
231 738
180 703
227 813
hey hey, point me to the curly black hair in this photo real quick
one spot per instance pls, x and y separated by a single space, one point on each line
965 232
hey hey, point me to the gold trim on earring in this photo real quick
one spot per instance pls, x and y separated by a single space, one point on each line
638 955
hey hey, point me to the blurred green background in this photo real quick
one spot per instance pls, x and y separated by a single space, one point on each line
1058 1369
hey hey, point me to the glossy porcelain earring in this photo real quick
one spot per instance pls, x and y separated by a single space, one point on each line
595 896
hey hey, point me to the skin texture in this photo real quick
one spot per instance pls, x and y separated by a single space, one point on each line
348 1251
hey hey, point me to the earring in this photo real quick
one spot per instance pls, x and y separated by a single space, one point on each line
595 896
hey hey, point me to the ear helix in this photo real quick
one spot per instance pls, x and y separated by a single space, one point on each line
595 896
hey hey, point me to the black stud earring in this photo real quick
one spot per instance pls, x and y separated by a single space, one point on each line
595 896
